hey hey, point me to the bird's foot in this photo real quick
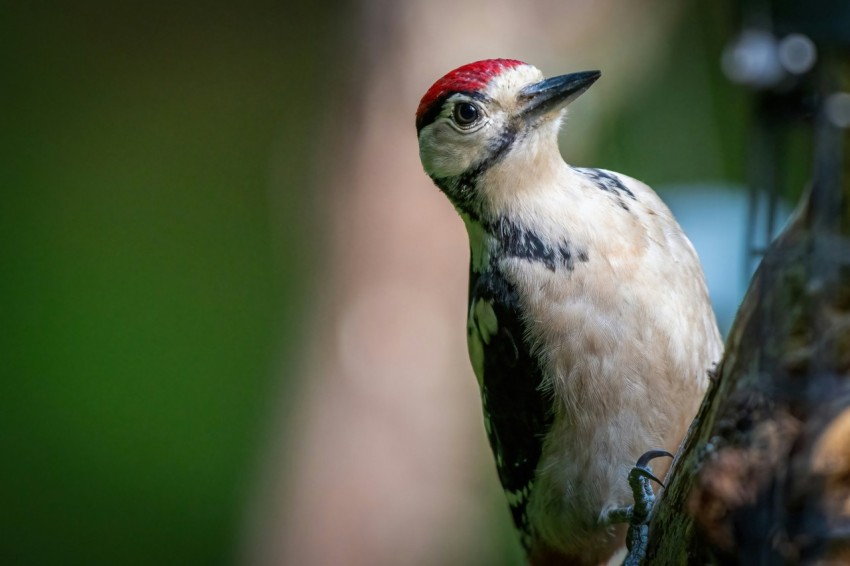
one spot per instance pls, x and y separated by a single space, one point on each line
637 515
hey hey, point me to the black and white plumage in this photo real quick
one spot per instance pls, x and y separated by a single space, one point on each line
589 325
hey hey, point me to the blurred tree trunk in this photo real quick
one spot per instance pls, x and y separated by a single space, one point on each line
387 460
764 477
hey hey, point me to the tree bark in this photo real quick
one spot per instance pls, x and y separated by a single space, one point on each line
764 475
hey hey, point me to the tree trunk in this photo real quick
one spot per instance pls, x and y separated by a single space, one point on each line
764 476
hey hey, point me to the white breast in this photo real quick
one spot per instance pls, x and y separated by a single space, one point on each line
626 339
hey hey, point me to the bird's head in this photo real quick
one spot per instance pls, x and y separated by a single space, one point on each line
477 114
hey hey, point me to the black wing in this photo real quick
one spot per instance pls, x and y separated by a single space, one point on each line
517 413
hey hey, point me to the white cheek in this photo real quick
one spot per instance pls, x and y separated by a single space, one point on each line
445 152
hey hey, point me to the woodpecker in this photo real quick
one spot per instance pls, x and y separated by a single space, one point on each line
590 329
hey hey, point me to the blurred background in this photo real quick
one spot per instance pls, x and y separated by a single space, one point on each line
233 305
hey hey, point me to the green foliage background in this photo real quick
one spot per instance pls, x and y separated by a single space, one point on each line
154 156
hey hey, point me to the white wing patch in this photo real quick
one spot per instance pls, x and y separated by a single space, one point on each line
485 318
476 348
479 244
481 326
517 497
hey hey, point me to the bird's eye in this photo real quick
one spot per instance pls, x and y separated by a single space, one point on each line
465 114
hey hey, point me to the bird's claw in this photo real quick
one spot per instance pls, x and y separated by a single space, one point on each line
645 473
639 480
647 457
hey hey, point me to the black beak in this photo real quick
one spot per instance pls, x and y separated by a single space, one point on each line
555 93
